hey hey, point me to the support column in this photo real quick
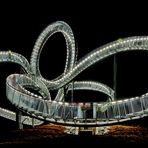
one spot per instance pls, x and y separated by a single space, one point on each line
115 76
80 113
18 119
72 90
94 110
33 122
72 87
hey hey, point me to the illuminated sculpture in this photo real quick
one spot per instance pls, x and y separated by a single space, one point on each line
44 108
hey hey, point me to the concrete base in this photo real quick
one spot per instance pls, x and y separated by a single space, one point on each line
87 130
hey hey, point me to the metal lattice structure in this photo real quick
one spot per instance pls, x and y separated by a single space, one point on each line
44 108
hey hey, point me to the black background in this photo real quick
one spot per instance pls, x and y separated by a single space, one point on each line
93 25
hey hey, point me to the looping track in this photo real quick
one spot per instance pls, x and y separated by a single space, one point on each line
43 107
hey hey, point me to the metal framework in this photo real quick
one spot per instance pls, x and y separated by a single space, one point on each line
44 108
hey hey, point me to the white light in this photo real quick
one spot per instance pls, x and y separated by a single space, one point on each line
60 103
126 100
132 99
54 101
120 101
113 102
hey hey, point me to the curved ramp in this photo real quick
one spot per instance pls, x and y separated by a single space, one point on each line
40 105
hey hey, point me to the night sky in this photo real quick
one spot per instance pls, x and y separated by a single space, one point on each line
19 30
